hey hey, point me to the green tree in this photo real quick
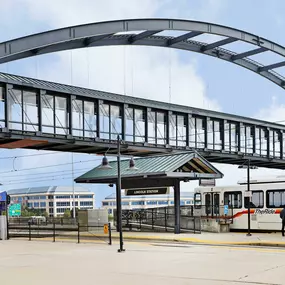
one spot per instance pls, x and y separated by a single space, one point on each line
67 214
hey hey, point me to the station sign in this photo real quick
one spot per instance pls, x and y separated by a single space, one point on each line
147 191
207 182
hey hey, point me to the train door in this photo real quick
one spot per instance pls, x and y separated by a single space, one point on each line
212 204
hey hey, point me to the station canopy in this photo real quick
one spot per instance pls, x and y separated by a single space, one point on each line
155 171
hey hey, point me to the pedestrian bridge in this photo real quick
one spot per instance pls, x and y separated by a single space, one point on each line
41 115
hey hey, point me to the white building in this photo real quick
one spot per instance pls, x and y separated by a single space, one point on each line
54 200
146 202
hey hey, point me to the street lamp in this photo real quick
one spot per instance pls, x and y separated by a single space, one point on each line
248 167
105 165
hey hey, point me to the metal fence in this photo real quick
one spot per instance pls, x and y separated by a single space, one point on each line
59 231
159 219
221 213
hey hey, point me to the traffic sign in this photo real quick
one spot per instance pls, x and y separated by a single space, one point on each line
15 210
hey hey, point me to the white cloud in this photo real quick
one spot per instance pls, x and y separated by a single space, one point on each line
273 113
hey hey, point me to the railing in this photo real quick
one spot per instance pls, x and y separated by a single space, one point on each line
63 232
160 219
42 220
222 213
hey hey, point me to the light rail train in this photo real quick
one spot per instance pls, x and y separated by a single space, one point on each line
230 203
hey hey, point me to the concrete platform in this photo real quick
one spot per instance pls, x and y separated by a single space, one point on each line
45 263
257 239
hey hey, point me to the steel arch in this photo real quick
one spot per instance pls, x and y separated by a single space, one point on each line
105 34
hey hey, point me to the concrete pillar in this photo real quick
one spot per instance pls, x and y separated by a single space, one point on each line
177 206
3 228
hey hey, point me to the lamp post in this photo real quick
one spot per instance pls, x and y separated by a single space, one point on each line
248 167
105 165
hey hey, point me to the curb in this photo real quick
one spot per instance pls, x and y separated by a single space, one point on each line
196 241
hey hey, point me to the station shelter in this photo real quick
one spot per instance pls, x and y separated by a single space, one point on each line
154 172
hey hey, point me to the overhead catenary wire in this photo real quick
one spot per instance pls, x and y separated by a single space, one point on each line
47 166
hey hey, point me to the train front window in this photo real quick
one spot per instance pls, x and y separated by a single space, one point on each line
233 199
275 198
257 200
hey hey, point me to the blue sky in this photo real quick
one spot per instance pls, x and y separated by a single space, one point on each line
205 82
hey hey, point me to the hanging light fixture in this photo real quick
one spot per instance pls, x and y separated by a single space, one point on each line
105 163
132 165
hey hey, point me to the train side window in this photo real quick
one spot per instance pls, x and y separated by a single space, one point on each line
257 200
275 198
233 199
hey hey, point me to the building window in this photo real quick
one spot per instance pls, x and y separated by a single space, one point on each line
50 204
51 210
275 199
106 203
62 204
61 210
30 205
135 203
62 197
36 205
86 203
151 202
76 203
42 197
162 202
50 196
125 203
233 199
42 204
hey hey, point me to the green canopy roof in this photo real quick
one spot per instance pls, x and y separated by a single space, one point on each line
187 165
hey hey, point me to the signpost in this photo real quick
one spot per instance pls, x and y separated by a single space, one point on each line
147 191
15 210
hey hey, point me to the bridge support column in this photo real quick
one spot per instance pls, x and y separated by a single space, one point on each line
177 207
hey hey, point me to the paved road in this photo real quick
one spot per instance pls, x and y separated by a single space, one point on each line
45 263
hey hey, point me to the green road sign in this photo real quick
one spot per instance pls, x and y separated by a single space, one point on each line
15 210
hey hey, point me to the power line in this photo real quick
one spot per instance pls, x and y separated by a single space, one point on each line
54 165
46 178
45 173
29 155
37 181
